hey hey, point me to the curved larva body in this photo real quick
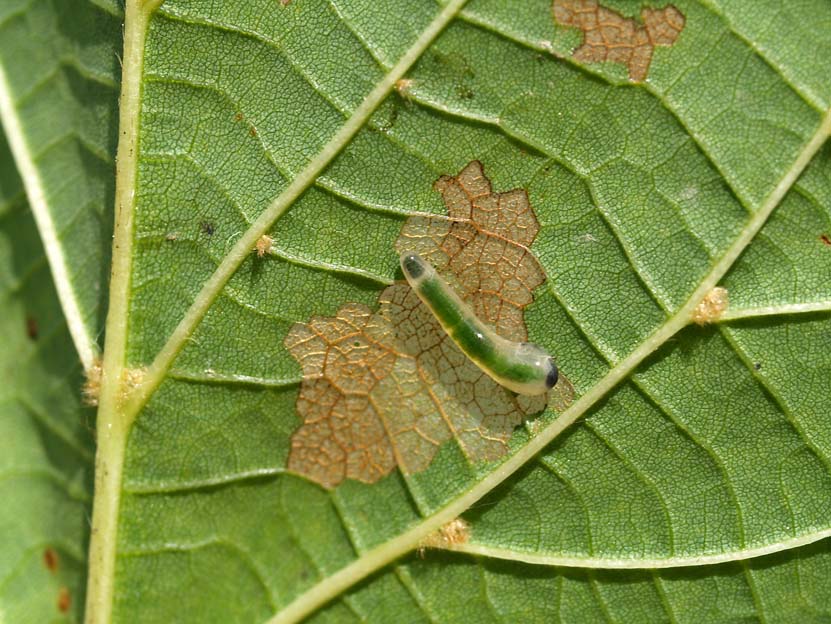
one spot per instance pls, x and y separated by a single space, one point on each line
523 367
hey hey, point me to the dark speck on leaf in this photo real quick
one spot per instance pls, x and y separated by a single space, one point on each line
207 228
64 599
32 327
50 559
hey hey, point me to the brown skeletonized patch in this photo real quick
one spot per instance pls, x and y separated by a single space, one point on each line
482 249
608 36
386 388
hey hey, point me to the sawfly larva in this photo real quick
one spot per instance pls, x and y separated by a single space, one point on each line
523 367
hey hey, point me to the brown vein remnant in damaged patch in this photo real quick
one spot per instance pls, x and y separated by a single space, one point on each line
608 36
386 388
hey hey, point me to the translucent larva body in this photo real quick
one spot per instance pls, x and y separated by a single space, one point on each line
522 367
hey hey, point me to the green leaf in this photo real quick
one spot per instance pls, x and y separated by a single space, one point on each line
46 439
58 90
691 478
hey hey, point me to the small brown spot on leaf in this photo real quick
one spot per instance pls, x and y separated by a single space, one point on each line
384 389
263 245
825 240
50 559
403 86
608 36
91 389
711 307
238 117
32 327
64 599
206 227
253 131
451 534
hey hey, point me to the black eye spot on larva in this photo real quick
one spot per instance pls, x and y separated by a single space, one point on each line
413 265
553 375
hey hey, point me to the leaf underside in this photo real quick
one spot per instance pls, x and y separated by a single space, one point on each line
716 448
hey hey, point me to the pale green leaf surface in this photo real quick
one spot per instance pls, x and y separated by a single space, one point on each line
45 435
717 446
715 450
58 90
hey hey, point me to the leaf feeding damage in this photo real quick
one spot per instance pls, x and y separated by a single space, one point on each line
522 367
386 388
608 36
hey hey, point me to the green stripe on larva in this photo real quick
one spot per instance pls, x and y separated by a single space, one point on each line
522 367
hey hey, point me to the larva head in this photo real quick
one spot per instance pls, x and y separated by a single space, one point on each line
538 371
415 268
553 374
